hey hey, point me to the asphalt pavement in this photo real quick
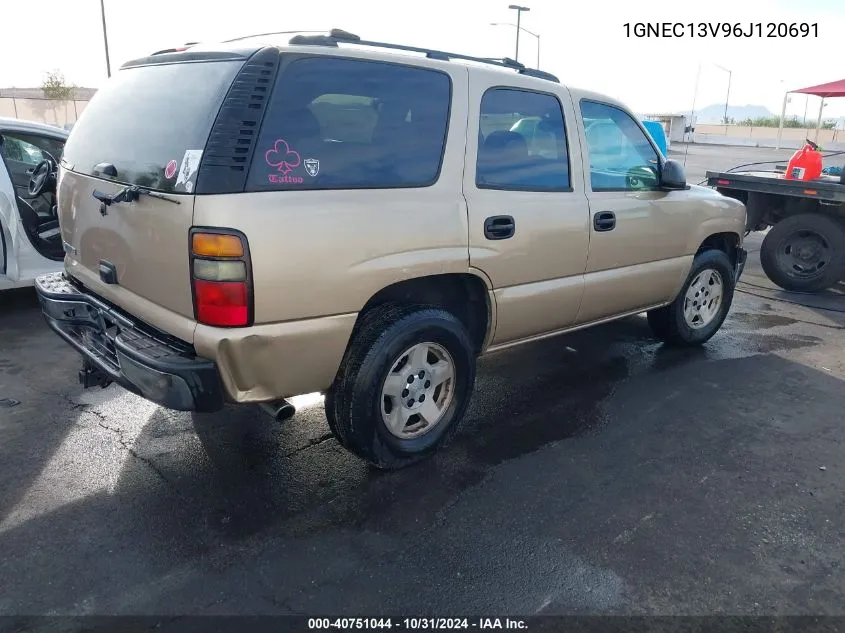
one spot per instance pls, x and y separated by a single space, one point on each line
597 472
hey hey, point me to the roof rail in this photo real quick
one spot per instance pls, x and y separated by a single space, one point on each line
339 35
248 37
336 36
177 49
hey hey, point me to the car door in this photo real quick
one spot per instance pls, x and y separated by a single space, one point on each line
627 270
21 153
528 217
10 231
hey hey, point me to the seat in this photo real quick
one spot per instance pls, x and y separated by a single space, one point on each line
33 223
502 157
302 131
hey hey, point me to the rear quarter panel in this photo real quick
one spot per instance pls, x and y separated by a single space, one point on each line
321 253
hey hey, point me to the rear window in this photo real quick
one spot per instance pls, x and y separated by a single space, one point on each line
336 123
151 123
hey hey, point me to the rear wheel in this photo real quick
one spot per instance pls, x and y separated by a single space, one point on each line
403 386
701 306
804 253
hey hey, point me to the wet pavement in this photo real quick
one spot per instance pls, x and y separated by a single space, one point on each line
597 472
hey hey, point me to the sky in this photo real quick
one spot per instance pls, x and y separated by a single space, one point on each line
583 43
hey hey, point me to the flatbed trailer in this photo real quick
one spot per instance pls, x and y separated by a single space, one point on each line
804 250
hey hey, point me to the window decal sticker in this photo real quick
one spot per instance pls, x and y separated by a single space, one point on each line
282 157
312 166
188 171
170 170
285 160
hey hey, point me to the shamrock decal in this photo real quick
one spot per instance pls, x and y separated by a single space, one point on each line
282 157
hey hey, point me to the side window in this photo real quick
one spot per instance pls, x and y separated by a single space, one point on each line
18 150
335 123
620 155
521 142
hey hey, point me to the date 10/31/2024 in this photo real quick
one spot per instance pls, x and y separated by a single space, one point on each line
413 624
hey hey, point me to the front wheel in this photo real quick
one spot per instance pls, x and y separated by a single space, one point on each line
403 386
701 306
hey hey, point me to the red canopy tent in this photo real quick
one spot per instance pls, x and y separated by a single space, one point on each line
825 91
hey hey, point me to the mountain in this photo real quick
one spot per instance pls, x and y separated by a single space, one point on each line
716 112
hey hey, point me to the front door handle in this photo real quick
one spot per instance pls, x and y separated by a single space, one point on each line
499 227
604 221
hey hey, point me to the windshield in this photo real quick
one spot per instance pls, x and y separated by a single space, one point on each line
151 123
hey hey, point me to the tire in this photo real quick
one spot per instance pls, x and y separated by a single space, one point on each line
356 407
671 325
821 237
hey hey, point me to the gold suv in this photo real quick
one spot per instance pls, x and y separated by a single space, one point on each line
245 222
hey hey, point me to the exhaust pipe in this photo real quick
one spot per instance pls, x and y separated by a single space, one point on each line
279 410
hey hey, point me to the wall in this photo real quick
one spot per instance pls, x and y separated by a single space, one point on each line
791 138
58 113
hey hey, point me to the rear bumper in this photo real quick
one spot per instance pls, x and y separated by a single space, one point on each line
126 351
741 257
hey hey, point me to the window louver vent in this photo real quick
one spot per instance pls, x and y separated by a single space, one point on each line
226 157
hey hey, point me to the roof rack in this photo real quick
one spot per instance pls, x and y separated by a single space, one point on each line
336 36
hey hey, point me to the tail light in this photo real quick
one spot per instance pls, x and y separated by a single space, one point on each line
220 275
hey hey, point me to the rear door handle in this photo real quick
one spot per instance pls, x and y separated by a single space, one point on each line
604 221
499 227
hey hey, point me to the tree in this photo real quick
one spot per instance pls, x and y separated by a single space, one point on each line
793 122
55 88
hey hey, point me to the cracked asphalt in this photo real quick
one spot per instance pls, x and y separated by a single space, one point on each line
598 472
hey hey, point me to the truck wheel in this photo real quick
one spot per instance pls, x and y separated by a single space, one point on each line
804 253
403 386
701 306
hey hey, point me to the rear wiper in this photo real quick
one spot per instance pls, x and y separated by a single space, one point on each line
128 194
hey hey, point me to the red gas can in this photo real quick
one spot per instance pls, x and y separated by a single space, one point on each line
805 164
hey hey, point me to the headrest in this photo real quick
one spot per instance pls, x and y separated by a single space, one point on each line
501 139
504 147
301 124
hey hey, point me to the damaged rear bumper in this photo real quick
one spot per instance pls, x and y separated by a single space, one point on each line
118 348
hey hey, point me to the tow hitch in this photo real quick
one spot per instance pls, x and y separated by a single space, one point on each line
90 376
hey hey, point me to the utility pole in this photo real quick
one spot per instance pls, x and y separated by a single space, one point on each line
519 11
728 96
105 37
527 31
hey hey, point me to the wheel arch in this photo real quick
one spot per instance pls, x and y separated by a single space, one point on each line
466 295
726 241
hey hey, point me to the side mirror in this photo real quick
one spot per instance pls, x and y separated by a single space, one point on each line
672 176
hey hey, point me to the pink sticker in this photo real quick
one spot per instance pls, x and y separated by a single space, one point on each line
170 170
282 157
289 180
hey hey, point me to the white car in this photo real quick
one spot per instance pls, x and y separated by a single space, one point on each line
30 240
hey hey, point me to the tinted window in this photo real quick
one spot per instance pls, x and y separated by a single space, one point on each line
344 124
151 123
521 142
620 154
